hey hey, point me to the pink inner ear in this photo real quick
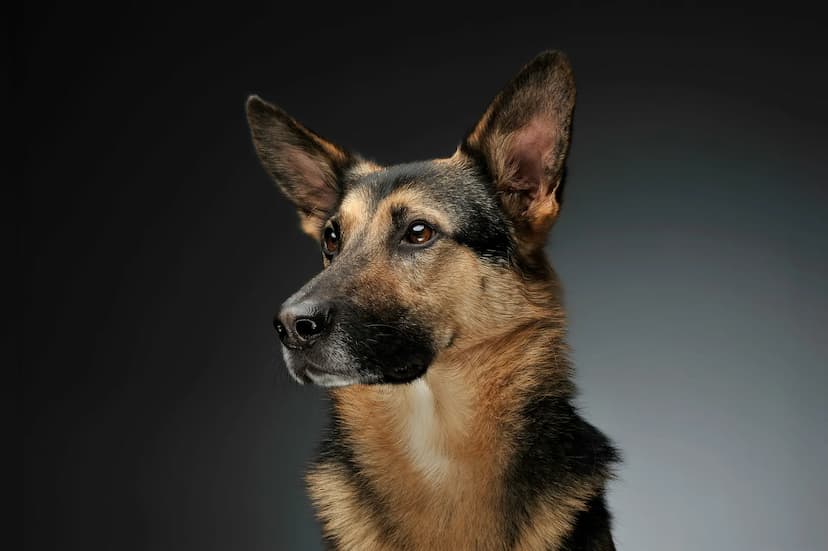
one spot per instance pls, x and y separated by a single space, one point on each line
531 151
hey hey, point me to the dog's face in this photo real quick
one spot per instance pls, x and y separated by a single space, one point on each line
420 256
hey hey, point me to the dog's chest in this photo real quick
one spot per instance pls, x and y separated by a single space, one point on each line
423 435
410 514
418 474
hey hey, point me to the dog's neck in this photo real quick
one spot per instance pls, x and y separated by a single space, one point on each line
459 418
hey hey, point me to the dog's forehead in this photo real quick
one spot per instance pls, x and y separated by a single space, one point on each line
438 184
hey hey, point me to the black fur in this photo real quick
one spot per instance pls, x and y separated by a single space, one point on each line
557 448
383 343
391 345
592 531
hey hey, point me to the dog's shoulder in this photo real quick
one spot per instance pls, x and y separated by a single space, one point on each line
554 486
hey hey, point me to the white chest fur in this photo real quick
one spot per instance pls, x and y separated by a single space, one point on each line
424 432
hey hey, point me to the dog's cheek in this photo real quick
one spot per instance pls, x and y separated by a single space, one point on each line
475 298
451 299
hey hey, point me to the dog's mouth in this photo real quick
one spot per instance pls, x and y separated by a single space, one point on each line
357 347
306 371
309 370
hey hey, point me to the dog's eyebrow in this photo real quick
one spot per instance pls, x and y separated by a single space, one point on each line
398 215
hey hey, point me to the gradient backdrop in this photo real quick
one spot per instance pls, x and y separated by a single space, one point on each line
156 410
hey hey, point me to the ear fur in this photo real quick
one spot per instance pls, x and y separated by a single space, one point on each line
306 167
523 138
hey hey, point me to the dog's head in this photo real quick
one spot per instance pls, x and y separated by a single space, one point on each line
419 257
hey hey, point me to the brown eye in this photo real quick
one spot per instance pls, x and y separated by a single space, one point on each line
419 233
330 241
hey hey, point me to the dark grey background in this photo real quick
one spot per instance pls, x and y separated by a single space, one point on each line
156 411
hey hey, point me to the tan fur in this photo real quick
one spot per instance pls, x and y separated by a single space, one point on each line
363 168
552 519
340 509
311 223
353 212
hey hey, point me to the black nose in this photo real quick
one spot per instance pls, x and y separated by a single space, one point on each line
300 325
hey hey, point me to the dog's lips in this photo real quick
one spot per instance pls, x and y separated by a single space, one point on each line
306 371
325 378
313 370
306 368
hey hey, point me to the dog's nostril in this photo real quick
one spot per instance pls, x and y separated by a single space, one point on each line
306 327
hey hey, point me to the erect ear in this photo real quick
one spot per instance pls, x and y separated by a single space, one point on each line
306 167
523 137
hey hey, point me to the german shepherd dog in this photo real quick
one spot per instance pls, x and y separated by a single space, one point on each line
437 324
